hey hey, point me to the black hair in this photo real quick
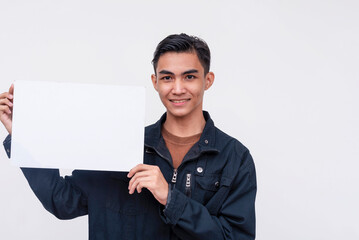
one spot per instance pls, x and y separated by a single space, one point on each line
184 43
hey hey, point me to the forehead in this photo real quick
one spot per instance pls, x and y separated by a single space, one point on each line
173 61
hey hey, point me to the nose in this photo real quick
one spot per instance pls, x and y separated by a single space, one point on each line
178 87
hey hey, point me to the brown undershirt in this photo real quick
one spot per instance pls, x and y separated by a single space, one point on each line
178 146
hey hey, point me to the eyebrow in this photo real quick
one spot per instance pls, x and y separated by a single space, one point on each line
190 71
184 73
166 72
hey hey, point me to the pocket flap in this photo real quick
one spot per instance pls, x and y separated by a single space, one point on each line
209 182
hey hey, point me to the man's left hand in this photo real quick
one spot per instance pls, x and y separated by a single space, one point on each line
150 177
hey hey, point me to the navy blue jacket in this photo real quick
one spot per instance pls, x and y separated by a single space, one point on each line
212 197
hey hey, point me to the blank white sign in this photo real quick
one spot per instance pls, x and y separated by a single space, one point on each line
77 126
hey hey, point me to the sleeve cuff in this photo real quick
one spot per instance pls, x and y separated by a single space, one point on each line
7 145
175 207
168 196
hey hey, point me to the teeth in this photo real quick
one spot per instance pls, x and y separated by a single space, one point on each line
178 101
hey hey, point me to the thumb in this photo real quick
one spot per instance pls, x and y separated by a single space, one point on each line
11 89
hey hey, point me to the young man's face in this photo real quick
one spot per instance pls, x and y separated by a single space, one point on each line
180 83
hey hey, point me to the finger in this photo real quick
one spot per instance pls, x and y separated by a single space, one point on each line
139 187
142 181
5 109
11 89
133 187
6 95
146 183
136 176
133 171
6 101
138 168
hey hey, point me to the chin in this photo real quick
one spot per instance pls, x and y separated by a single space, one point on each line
182 113
178 113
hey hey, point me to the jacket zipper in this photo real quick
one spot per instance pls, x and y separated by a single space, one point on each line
188 185
175 171
188 182
174 176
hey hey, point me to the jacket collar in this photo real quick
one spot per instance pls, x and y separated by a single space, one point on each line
206 143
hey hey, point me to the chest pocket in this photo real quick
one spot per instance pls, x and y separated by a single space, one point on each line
211 190
206 186
119 200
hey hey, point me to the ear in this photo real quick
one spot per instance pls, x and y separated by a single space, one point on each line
154 81
209 80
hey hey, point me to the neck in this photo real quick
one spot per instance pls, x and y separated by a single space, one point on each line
186 126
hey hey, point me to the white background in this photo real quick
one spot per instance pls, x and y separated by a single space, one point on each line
286 86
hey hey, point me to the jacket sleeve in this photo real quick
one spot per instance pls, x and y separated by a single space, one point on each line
235 218
60 196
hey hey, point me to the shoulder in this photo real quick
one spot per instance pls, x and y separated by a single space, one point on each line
239 159
150 128
232 147
153 131
240 167
155 128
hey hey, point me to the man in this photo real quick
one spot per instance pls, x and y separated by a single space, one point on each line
196 182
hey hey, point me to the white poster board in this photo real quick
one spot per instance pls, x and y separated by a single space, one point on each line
77 126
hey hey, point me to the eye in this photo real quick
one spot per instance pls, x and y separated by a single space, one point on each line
166 78
190 77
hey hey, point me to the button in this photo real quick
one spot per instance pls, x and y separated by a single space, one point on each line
8 150
199 169
206 141
216 184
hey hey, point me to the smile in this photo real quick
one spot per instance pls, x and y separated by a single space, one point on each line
180 101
